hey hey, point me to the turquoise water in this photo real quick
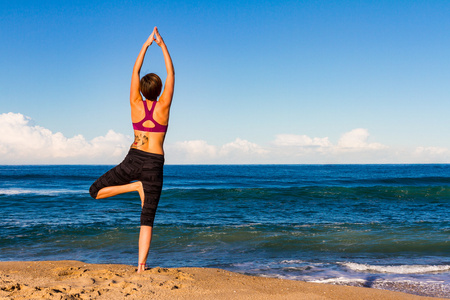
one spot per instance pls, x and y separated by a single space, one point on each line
381 226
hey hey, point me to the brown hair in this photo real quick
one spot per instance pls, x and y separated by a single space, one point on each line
151 86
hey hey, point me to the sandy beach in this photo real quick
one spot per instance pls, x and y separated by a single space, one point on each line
78 280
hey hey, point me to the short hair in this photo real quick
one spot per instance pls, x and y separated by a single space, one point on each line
151 86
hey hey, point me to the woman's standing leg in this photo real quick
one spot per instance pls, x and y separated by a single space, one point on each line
145 239
152 181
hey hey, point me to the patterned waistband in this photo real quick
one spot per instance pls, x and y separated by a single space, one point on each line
143 154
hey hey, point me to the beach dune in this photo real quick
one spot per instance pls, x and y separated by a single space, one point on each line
78 280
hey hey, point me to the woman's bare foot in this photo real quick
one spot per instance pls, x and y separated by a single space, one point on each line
141 268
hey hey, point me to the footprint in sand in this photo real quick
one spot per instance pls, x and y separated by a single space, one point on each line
11 287
70 272
183 276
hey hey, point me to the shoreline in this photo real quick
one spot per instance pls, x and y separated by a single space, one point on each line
78 280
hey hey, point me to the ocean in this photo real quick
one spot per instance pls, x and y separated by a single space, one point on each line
379 226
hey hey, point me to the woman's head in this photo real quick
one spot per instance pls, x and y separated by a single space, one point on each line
151 86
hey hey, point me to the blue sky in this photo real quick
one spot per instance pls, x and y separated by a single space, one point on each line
256 81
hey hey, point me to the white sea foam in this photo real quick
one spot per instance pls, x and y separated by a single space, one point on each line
340 280
295 261
243 265
423 288
402 269
246 225
47 192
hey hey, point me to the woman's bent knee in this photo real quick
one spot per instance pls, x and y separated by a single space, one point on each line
93 191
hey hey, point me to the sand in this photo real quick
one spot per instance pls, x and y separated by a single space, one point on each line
78 280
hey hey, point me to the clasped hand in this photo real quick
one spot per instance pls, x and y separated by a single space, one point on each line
155 36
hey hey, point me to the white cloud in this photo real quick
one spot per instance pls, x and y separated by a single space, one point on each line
352 147
24 143
300 141
431 151
192 151
200 152
242 147
321 150
432 154
357 140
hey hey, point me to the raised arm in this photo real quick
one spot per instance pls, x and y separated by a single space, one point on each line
167 94
135 93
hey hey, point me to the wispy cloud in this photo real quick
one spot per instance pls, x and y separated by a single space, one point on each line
432 154
293 140
192 151
352 147
200 152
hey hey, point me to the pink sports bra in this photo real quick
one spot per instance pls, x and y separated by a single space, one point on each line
149 117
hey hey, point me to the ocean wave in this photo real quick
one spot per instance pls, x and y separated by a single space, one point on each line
40 192
401 269
340 280
423 180
308 192
293 261
421 288
51 176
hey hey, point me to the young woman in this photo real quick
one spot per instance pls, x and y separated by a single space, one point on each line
142 168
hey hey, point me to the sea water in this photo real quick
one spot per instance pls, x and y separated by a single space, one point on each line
380 226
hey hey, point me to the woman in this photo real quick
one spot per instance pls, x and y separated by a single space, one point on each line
142 168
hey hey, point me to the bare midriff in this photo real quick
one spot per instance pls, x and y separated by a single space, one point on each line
151 142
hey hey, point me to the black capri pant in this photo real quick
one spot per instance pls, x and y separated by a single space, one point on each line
137 165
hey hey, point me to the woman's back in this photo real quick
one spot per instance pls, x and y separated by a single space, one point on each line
151 117
150 121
